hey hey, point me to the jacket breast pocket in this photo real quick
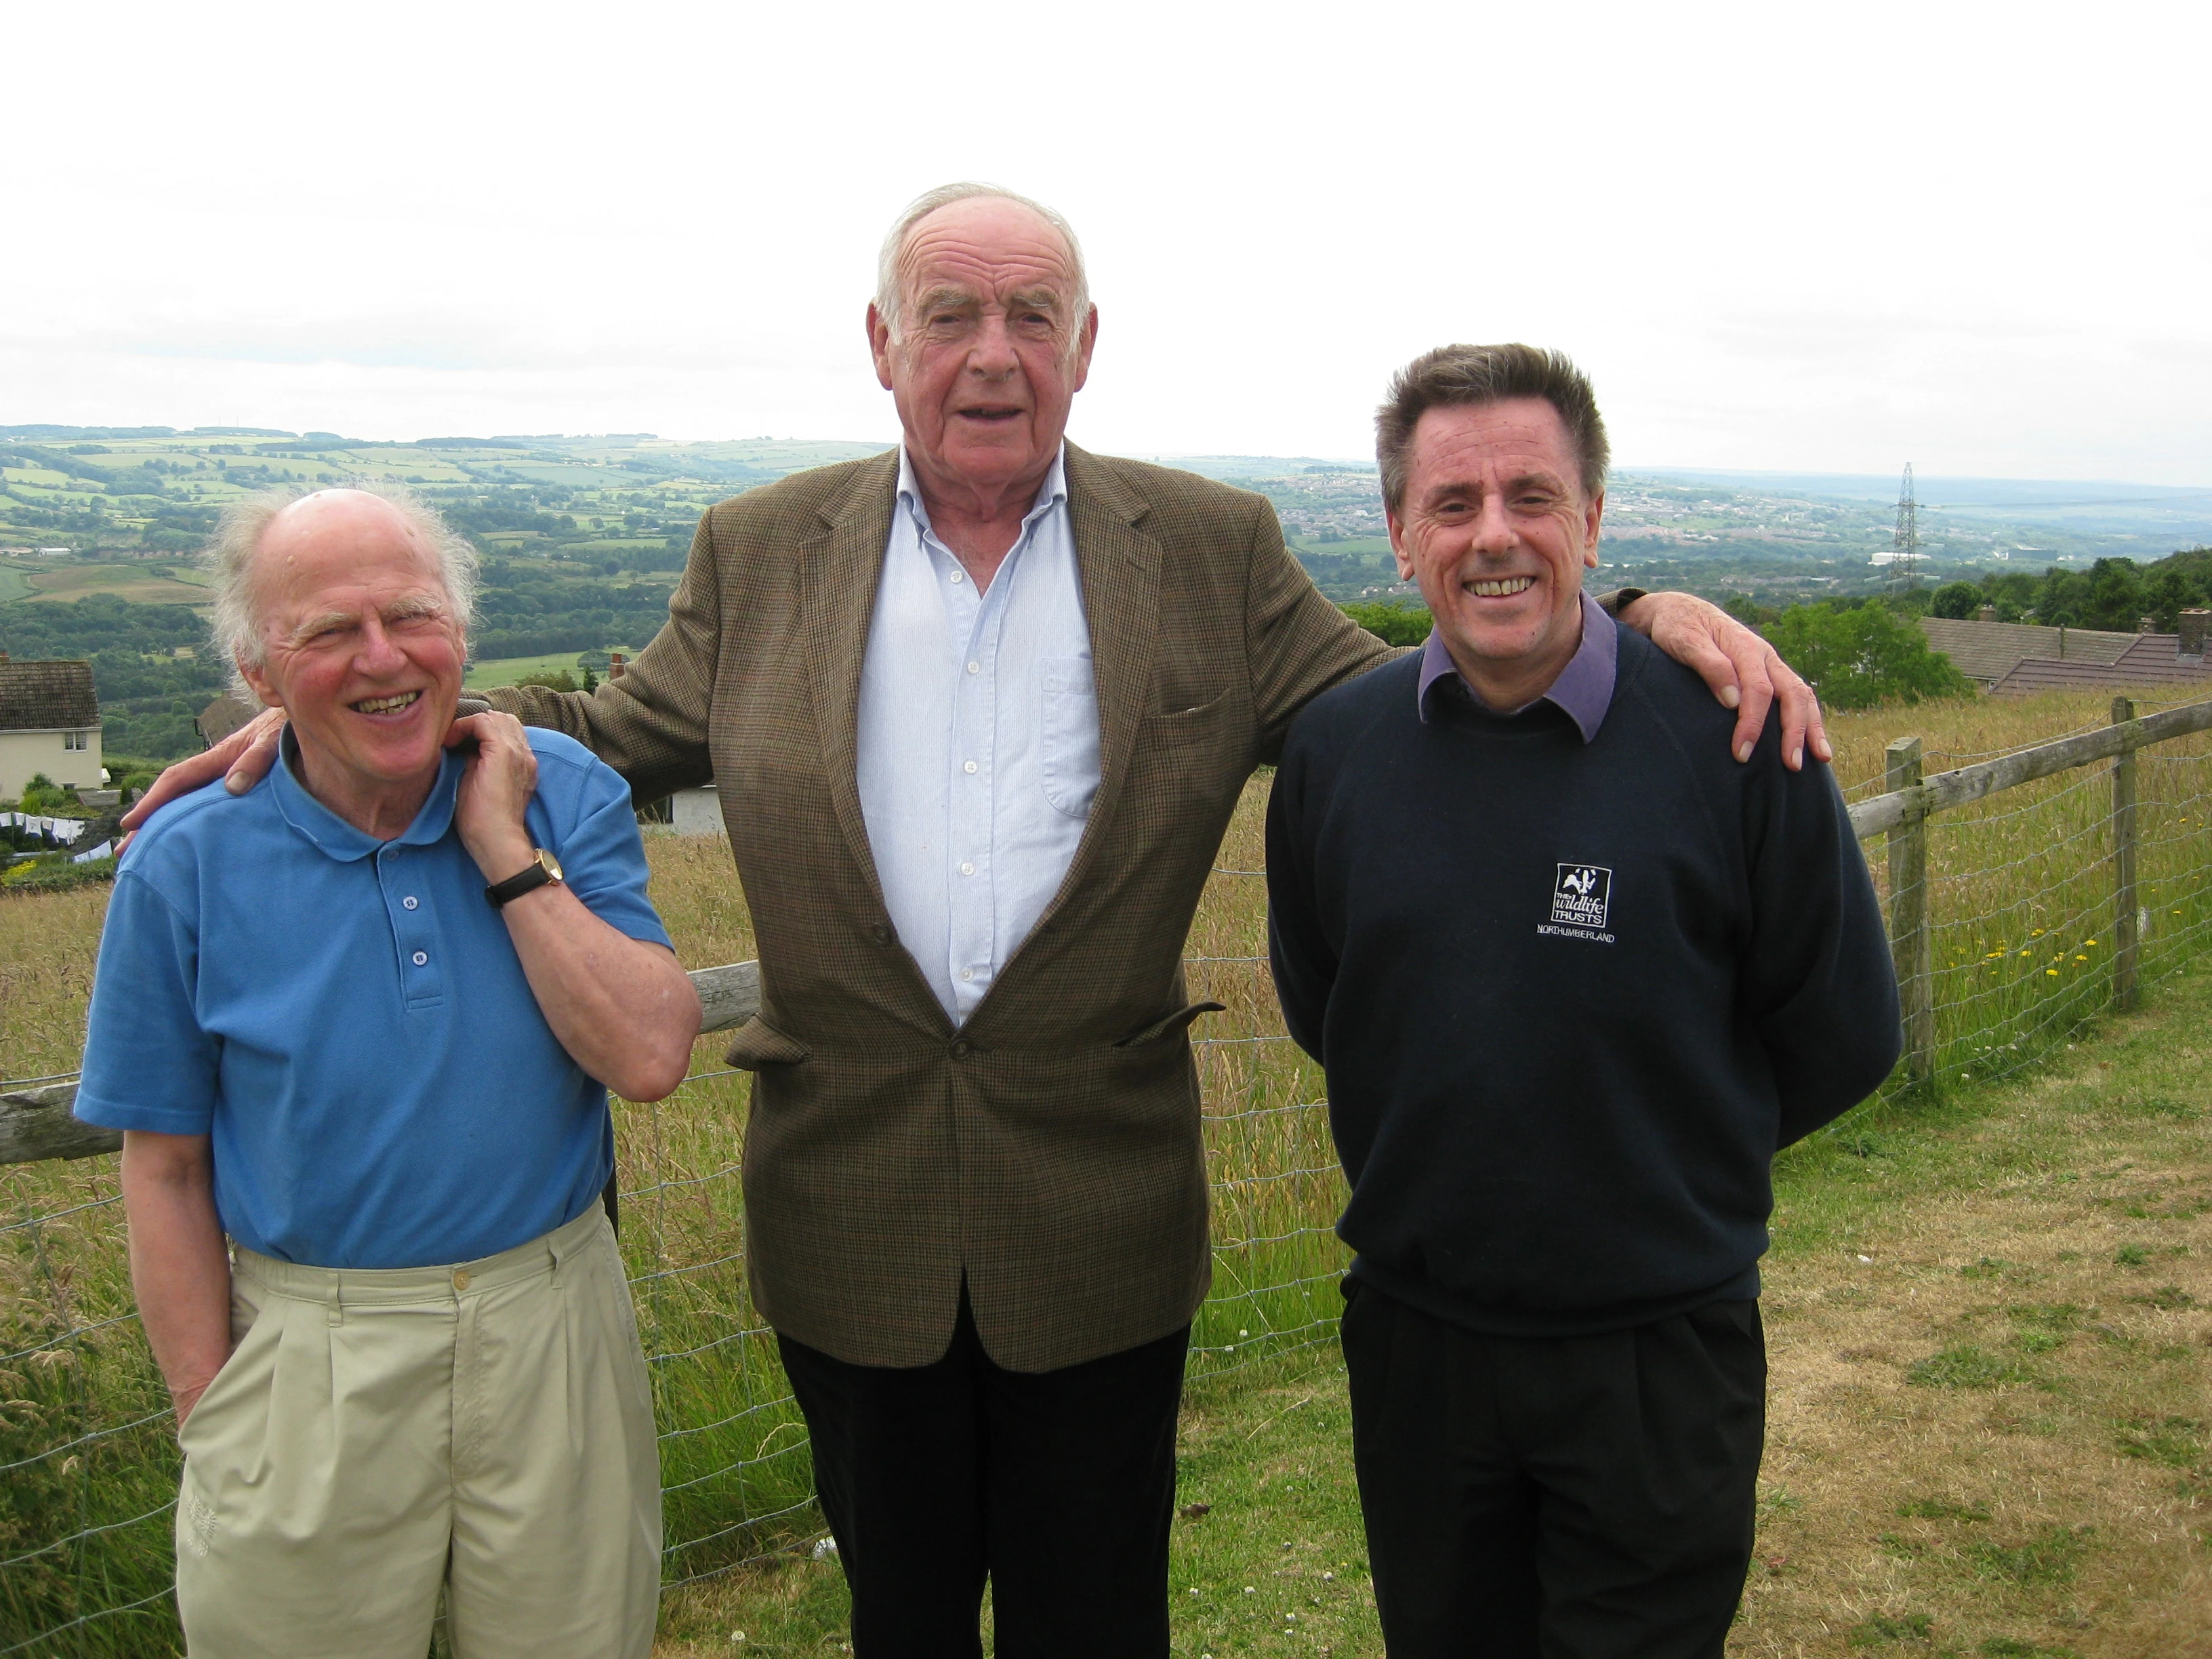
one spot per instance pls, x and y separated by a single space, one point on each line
1067 733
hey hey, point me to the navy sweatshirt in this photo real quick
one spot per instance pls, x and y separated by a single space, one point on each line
1570 998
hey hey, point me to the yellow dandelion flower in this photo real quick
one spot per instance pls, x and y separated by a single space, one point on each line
2080 958
2053 972
2089 941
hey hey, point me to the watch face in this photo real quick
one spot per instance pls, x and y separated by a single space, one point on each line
551 864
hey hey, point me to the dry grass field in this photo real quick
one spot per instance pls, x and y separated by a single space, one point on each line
1923 1189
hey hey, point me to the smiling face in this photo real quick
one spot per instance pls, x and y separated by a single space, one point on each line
1496 529
360 649
989 356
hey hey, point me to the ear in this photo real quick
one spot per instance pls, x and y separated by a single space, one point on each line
1592 515
1085 342
879 345
257 676
1398 549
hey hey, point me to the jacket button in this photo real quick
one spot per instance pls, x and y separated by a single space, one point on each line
881 934
960 1050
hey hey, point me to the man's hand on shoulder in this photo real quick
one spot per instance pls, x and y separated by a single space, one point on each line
241 760
495 792
1742 670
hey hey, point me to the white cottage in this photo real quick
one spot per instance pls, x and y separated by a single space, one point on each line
49 723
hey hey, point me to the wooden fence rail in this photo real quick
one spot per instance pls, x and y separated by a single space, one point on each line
1902 814
36 1124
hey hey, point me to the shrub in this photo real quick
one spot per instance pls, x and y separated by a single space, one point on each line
1863 655
1393 624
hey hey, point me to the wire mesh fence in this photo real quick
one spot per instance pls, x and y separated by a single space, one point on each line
2019 887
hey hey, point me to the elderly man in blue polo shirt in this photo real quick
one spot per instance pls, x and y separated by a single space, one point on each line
363 1023
1574 977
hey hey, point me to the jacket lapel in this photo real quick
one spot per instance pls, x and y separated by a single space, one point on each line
1121 573
843 569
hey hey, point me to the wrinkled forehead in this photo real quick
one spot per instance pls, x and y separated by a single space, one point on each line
344 554
1494 446
987 247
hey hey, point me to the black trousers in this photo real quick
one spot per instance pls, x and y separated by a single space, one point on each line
1569 1498
1059 1487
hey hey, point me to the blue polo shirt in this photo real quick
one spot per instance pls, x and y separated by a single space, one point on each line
349 1021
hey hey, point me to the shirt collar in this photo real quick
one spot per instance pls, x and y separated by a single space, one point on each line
1049 495
339 840
1583 690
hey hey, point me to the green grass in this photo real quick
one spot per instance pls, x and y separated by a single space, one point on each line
507 671
2003 1213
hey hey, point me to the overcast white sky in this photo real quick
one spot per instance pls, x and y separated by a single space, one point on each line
1833 237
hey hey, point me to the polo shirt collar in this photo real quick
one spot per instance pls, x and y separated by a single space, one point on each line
336 838
1583 690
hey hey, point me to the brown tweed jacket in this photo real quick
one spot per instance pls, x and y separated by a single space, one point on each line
1048 1149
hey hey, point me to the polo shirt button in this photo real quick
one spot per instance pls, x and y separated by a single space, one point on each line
960 1050
460 1278
410 900
422 956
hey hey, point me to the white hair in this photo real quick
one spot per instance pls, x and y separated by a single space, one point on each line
890 302
229 560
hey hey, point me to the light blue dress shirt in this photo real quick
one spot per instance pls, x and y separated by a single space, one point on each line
978 752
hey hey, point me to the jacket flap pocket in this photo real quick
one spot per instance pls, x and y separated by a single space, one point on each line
757 1043
1174 1022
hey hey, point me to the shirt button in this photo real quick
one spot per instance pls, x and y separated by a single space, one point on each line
968 766
967 869
975 667
410 900
421 956
460 1278
957 578
967 973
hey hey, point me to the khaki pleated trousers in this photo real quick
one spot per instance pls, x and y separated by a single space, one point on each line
486 1427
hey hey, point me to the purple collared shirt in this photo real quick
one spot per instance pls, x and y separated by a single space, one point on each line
1583 690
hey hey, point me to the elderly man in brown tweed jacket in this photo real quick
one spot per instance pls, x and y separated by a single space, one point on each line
979 710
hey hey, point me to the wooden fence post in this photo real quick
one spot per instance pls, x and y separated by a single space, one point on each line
1910 945
2127 938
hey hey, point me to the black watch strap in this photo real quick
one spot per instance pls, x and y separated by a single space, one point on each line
541 872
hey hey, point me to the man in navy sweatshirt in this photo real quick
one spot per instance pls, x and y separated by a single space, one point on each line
1574 975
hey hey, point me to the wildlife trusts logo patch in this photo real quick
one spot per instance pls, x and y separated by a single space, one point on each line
1582 900
1583 894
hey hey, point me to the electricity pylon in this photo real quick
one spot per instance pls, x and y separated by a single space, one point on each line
1905 548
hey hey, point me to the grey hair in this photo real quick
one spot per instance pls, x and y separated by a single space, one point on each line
891 304
228 559
1459 375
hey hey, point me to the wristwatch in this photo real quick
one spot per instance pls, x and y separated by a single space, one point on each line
543 871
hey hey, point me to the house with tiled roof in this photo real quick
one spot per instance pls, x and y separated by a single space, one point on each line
1987 650
49 723
2013 659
